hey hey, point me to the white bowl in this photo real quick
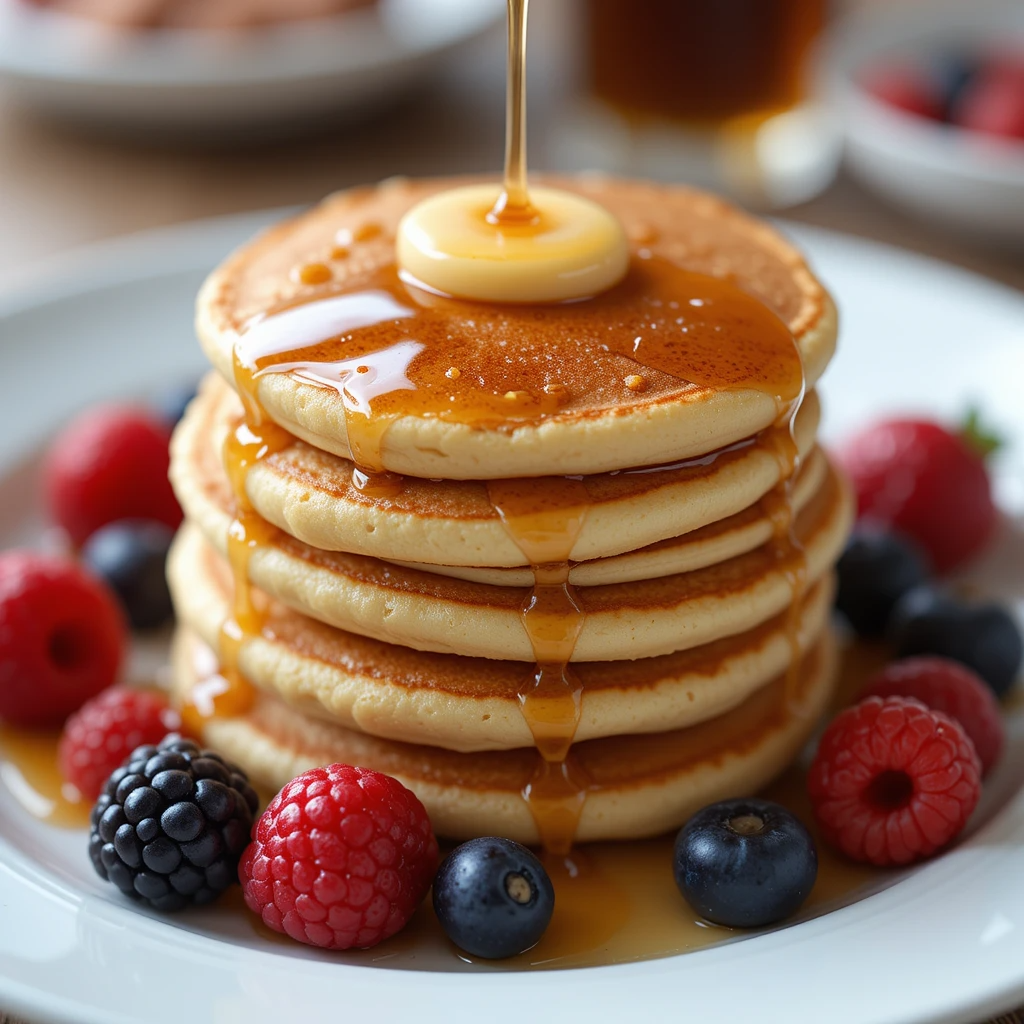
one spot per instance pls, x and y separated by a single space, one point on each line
230 83
961 178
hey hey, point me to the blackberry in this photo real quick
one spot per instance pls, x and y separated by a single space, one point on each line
171 823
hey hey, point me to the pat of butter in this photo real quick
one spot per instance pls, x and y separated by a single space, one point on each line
571 248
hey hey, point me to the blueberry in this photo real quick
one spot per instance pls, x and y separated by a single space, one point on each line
745 863
130 556
493 898
876 570
170 404
984 637
953 73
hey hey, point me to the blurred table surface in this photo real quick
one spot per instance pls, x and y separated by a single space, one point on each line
61 188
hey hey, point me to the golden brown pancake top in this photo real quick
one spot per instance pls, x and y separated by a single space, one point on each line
705 307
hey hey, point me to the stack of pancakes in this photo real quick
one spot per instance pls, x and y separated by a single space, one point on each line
697 569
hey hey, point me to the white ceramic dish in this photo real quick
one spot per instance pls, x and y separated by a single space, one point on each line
941 944
952 177
217 84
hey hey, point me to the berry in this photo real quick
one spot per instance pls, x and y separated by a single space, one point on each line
493 898
907 88
984 637
110 463
100 735
953 689
342 857
745 863
893 781
921 480
876 570
62 638
170 404
171 823
953 74
994 105
131 557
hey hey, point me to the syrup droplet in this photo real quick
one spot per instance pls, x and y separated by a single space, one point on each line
314 273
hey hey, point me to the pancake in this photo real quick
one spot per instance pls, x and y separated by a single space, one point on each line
471 704
562 403
622 621
309 494
639 785
708 545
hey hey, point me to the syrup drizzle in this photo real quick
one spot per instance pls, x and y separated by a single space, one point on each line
544 518
778 505
513 205
227 692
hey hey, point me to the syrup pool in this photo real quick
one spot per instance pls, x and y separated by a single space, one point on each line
28 769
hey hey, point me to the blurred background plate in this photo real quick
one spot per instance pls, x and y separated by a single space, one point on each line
959 178
231 83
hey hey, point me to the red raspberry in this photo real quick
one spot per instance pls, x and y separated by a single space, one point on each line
342 857
906 88
892 781
952 688
110 463
927 483
62 638
105 730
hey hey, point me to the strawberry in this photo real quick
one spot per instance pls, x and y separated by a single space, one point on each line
926 482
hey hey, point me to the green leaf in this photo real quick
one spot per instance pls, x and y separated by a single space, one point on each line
979 437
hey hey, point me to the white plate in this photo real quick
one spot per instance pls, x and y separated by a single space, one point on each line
231 83
959 178
941 944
